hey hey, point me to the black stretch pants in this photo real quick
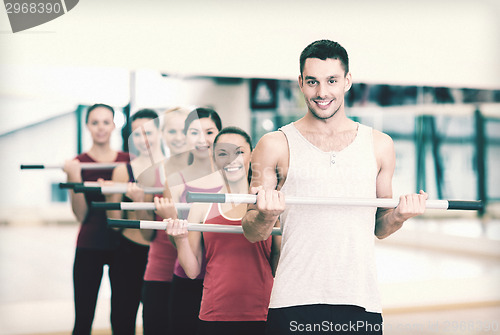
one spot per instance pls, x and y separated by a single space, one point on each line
185 301
231 327
323 319
155 308
126 270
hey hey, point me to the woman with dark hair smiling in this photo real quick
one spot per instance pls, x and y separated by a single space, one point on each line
98 245
200 128
238 279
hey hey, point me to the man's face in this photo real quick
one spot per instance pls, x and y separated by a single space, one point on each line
324 83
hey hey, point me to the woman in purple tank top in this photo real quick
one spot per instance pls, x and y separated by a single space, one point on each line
201 127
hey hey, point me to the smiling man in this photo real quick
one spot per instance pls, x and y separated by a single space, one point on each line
326 274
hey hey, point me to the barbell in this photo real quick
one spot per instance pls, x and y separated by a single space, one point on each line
71 185
360 202
84 166
133 206
161 225
252 198
114 189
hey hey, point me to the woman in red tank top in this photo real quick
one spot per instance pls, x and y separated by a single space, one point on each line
238 277
97 244
162 254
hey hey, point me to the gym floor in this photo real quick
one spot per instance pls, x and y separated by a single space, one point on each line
432 281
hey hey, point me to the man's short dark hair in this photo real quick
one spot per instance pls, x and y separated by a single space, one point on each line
324 49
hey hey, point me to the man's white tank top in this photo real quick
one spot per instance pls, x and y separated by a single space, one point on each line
327 252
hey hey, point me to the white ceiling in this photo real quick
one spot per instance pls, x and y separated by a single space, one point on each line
438 42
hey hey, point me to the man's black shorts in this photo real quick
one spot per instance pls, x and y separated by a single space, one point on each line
323 319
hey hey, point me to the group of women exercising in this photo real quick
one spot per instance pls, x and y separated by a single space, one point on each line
188 283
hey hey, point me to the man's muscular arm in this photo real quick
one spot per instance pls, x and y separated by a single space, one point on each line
390 220
260 218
